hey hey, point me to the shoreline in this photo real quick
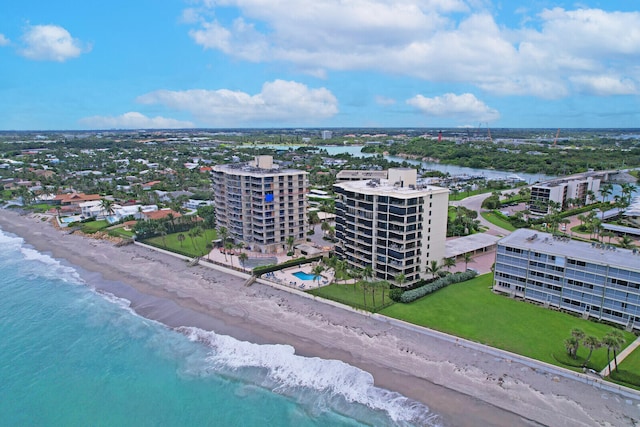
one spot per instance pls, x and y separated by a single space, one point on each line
463 386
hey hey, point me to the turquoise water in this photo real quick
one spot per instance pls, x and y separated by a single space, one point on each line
70 356
304 276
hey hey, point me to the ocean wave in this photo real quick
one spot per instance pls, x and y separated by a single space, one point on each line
288 373
11 244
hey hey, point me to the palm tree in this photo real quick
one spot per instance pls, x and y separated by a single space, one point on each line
290 242
313 217
325 226
608 234
243 257
372 287
171 219
591 342
223 233
582 219
613 341
625 242
194 233
367 272
162 230
384 286
467 259
228 247
449 263
106 206
433 268
578 334
571 345
627 191
400 279
619 342
605 190
192 236
317 271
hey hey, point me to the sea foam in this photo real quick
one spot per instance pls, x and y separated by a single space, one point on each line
289 374
52 267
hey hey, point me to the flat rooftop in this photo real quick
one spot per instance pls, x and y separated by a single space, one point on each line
387 188
248 170
471 243
361 174
545 243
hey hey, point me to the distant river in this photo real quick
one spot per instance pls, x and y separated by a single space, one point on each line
450 169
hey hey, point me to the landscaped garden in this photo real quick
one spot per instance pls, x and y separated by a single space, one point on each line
470 310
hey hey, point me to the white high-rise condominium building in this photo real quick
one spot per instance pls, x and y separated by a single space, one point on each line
261 205
326 134
393 225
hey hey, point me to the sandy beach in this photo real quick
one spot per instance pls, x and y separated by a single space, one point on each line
467 386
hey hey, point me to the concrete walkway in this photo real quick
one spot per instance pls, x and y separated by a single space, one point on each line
621 356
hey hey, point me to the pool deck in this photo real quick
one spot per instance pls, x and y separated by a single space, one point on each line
286 277
283 277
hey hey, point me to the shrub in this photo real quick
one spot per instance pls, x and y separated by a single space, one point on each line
414 294
396 294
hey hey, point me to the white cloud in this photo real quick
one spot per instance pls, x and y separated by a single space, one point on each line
134 120
463 107
435 40
51 43
279 101
4 41
604 85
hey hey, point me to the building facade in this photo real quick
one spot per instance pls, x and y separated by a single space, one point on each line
392 225
561 192
260 204
591 279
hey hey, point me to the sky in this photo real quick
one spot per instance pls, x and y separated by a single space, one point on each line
144 64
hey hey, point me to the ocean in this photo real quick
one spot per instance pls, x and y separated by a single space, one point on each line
72 356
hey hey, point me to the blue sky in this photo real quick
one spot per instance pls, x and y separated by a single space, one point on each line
322 63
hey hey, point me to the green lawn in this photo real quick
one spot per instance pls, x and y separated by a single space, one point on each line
94 226
353 295
121 232
464 194
630 369
172 243
470 310
494 219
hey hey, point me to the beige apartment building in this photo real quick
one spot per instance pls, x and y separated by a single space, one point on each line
260 204
393 225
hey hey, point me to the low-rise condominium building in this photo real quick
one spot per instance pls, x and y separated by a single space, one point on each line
593 280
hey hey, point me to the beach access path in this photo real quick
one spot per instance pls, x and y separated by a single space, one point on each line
468 385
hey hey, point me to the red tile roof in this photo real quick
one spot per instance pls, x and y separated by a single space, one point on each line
161 214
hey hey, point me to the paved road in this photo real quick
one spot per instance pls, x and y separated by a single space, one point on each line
475 204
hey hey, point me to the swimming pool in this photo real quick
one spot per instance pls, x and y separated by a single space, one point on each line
70 219
306 276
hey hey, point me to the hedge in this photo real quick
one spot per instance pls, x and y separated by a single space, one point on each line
414 294
257 271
